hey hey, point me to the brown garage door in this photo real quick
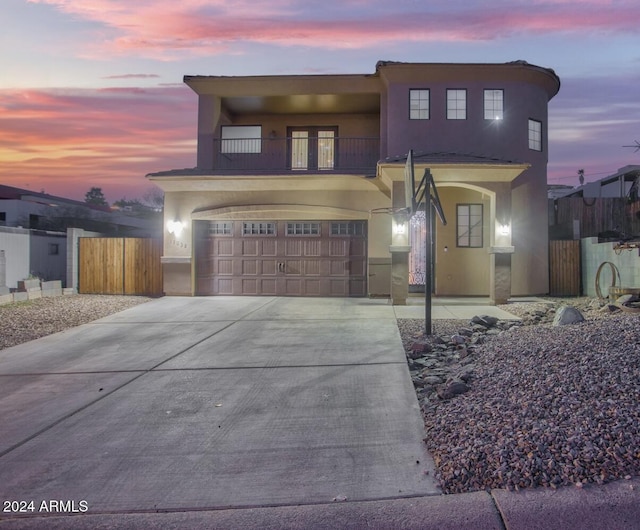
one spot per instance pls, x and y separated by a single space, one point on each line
281 258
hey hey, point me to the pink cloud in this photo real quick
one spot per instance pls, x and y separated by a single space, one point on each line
164 28
66 141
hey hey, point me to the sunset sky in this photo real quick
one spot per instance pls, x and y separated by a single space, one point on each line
91 91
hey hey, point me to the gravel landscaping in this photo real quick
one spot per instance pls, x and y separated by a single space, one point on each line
521 405
24 321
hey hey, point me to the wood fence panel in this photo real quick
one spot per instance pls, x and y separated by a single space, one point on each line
142 267
90 252
120 266
112 269
564 268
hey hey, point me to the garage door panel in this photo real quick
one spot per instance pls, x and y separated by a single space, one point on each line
309 258
223 247
250 286
312 287
293 267
293 247
338 247
269 286
250 247
250 267
312 247
269 267
224 286
224 267
293 287
312 267
339 268
269 247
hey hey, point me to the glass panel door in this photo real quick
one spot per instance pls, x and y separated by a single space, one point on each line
312 147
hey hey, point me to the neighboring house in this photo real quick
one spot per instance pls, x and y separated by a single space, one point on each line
41 211
33 231
297 177
608 208
622 184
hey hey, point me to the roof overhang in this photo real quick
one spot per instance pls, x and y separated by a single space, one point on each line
189 181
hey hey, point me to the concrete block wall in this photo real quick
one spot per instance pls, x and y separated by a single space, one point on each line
33 289
593 254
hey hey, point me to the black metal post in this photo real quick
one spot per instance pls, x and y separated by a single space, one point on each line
427 268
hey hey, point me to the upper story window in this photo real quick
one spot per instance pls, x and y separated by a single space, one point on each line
241 139
493 104
419 104
457 104
535 135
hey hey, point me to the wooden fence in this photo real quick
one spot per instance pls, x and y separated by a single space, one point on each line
564 268
120 265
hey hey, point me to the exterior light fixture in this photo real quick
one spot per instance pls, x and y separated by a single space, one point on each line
505 230
175 227
399 227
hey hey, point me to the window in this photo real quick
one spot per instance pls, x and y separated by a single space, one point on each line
54 249
457 104
469 225
346 228
419 104
266 229
535 135
241 139
493 104
3 218
220 228
303 229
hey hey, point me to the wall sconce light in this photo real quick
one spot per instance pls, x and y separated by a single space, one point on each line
175 227
505 230
399 227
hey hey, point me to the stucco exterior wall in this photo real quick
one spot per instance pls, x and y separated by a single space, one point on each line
272 205
461 271
15 243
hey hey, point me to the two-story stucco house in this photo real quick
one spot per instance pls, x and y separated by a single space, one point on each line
300 182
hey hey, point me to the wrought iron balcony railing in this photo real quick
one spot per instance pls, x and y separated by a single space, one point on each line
296 154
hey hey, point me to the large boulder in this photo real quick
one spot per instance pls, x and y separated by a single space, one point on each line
567 315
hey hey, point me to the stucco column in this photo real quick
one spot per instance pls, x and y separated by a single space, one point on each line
399 248
500 275
501 249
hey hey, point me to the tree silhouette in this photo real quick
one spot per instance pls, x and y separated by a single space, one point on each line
95 196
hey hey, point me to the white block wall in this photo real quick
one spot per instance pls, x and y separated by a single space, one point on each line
594 254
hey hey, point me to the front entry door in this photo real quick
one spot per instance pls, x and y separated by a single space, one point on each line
312 147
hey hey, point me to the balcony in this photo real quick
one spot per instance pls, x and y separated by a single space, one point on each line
299 153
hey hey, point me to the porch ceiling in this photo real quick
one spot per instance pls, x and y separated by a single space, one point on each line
364 103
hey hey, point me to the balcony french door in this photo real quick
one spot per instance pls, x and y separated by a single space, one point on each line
312 147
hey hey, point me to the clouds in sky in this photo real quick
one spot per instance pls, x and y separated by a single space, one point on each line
66 141
165 27
94 96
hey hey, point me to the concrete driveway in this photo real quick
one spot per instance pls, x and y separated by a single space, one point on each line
196 403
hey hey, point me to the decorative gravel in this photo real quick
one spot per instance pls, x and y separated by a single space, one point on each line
24 321
547 406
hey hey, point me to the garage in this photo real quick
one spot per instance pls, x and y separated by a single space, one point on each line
281 258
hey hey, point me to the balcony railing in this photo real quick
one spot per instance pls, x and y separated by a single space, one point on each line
276 155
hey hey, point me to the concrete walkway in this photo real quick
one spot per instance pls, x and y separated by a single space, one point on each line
245 413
